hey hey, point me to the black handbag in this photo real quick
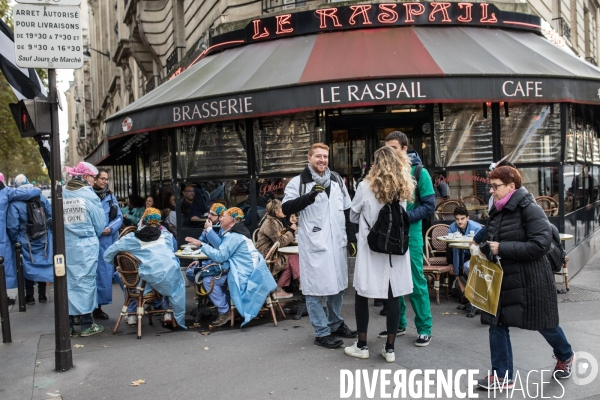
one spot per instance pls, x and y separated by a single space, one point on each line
557 254
114 210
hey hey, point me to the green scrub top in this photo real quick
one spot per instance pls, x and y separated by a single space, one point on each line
425 186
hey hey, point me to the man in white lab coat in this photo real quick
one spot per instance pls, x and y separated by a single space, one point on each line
320 198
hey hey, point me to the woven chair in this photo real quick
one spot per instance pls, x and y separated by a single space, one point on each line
440 200
436 264
127 268
548 204
445 211
127 230
271 299
475 201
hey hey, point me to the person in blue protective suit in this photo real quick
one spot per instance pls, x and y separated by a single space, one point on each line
159 267
219 295
113 221
84 222
37 253
249 278
8 195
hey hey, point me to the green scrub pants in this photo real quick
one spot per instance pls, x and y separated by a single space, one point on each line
419 298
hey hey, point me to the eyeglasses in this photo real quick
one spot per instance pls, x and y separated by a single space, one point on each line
103 179
188 191
495 187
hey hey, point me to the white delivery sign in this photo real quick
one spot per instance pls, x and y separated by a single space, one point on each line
48 36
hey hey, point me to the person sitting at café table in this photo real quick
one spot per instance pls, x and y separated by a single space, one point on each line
134 210
465 227
159 267
248 278
270 232
192 208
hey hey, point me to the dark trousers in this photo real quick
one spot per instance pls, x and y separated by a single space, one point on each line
86 321
30 288
361 309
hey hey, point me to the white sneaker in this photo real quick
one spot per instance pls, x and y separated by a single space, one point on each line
168 317
389 356
132 319
354 351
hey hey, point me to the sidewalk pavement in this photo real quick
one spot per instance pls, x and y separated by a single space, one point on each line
268 362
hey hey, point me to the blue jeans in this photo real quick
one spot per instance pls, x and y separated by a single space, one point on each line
325 324
219 295
501 349
86 321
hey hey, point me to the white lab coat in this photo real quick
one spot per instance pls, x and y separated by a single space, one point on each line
372 271
322 239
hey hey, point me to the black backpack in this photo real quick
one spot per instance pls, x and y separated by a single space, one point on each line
557 254
389 234
37 220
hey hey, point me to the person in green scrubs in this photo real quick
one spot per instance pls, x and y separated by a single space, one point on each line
421 208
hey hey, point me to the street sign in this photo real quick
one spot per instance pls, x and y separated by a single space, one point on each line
51 2
48 36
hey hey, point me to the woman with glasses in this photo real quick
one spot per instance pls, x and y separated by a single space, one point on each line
518 233
110 234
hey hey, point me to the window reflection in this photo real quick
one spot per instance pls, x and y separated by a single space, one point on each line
462 135
530 132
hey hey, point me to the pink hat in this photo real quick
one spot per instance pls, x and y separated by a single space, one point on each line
2 177
83 168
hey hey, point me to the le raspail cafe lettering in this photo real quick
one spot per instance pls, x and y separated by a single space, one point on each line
371 91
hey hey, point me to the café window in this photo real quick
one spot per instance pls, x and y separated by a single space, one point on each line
468 188
581 186
463 134
542 182
530 132
212 150
282 143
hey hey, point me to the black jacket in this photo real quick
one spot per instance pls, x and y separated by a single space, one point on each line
528 294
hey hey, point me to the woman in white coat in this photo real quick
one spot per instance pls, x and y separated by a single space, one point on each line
389 179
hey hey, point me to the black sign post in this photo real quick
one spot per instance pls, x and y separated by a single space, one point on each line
63 353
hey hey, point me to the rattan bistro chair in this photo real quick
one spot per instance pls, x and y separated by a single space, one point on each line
271 299
127 268
436 264
445 210
548 204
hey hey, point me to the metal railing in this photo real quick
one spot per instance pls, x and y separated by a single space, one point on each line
562 27
277 5
172 61
151 85
591 60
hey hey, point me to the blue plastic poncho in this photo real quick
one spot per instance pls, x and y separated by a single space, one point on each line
84 222
249 279
8 195
159 268
105 270
38 253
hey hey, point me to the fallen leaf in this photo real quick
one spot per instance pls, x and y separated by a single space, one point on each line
446 313
53 394
137 383
211 327
106 347
271 392
196 324
455 313
78 346
206 348
206 333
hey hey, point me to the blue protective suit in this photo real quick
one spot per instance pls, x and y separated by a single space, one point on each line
159 268
104 274
8 195
249 278
84 222
37 254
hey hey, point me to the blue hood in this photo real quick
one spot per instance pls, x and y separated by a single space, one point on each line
414 157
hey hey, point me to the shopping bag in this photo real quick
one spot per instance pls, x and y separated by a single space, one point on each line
484 283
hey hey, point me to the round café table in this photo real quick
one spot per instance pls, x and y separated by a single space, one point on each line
288 250
459 245
199 256
462 239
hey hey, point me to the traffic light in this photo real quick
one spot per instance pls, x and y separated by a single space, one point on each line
32 117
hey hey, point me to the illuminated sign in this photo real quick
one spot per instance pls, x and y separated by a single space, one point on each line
376 15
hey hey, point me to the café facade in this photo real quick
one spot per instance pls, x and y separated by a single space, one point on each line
468 83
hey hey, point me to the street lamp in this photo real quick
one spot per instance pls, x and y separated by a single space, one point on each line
87 53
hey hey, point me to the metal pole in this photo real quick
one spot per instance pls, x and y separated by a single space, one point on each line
4 318
20 277
63 354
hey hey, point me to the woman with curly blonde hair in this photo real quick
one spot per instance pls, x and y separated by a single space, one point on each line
388 180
